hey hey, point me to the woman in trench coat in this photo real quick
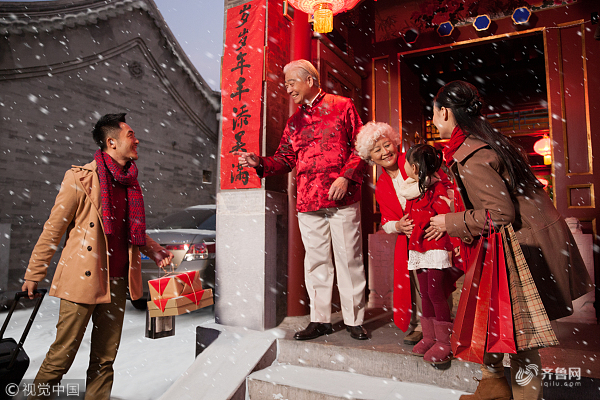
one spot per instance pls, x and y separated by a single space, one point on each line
492 175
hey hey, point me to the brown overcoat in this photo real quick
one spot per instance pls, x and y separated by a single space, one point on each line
548 245
82 274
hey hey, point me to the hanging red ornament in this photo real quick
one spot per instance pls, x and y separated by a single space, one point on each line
323 11
544 148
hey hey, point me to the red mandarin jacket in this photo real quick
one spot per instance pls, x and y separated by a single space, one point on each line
319 141
420 210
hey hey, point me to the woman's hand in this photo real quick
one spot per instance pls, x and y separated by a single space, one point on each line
437 227
405 225
447 200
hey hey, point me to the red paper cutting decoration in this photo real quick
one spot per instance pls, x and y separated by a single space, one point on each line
323 11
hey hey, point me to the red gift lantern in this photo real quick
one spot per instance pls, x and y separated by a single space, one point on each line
323 11
544 148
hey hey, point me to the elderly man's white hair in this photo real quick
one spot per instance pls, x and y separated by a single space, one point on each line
305 69
369 134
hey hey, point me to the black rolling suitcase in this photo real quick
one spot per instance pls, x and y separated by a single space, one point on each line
13 359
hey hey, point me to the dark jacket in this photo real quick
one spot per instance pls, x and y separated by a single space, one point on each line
548 245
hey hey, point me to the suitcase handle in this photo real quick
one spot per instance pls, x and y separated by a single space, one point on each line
24 293
38 303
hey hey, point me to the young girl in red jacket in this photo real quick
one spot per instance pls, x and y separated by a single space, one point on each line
432 259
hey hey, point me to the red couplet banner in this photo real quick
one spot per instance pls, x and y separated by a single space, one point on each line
241 92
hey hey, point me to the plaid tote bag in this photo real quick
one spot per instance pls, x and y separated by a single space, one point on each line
531 323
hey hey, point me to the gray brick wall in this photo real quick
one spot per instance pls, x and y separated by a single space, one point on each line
46 118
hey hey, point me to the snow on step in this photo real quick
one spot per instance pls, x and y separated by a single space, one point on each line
220 371
390 366
292 382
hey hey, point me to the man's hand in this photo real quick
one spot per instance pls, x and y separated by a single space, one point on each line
247 159
405 225
30 287
163 258
338 189
437 227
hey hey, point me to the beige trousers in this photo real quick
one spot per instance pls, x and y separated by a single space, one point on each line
73 318
526 384
336 229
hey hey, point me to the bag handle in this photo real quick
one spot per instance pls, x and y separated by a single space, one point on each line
167 273
489 223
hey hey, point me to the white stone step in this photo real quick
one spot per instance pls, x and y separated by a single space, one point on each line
387 365
292 382
220 371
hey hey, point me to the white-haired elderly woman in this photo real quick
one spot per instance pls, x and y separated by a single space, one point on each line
378 143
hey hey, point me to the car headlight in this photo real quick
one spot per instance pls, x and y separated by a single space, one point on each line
196 251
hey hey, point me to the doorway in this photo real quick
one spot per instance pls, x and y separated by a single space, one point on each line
510 73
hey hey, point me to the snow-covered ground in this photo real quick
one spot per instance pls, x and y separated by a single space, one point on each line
144 369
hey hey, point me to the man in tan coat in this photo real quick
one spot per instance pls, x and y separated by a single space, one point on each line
100 208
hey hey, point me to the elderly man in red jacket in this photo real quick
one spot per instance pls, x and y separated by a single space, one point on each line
319 141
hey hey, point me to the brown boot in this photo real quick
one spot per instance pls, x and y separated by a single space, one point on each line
490 389
428 337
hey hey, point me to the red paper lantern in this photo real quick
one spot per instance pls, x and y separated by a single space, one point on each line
543 182
544 148
323 11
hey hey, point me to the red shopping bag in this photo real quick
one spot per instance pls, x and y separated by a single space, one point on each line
484 316
500 333
470 324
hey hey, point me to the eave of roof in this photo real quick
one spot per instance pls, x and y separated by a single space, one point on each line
45 16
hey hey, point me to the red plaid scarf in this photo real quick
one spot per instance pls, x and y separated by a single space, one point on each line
108 169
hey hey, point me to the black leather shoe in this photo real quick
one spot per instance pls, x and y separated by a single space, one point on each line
313 331
357 332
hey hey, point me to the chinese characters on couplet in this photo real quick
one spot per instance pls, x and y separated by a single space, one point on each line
238 174
242 90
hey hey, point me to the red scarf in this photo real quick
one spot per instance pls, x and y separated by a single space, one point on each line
108 169
456 139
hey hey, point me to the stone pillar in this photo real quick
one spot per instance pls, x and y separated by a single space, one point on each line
251 249
251 244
